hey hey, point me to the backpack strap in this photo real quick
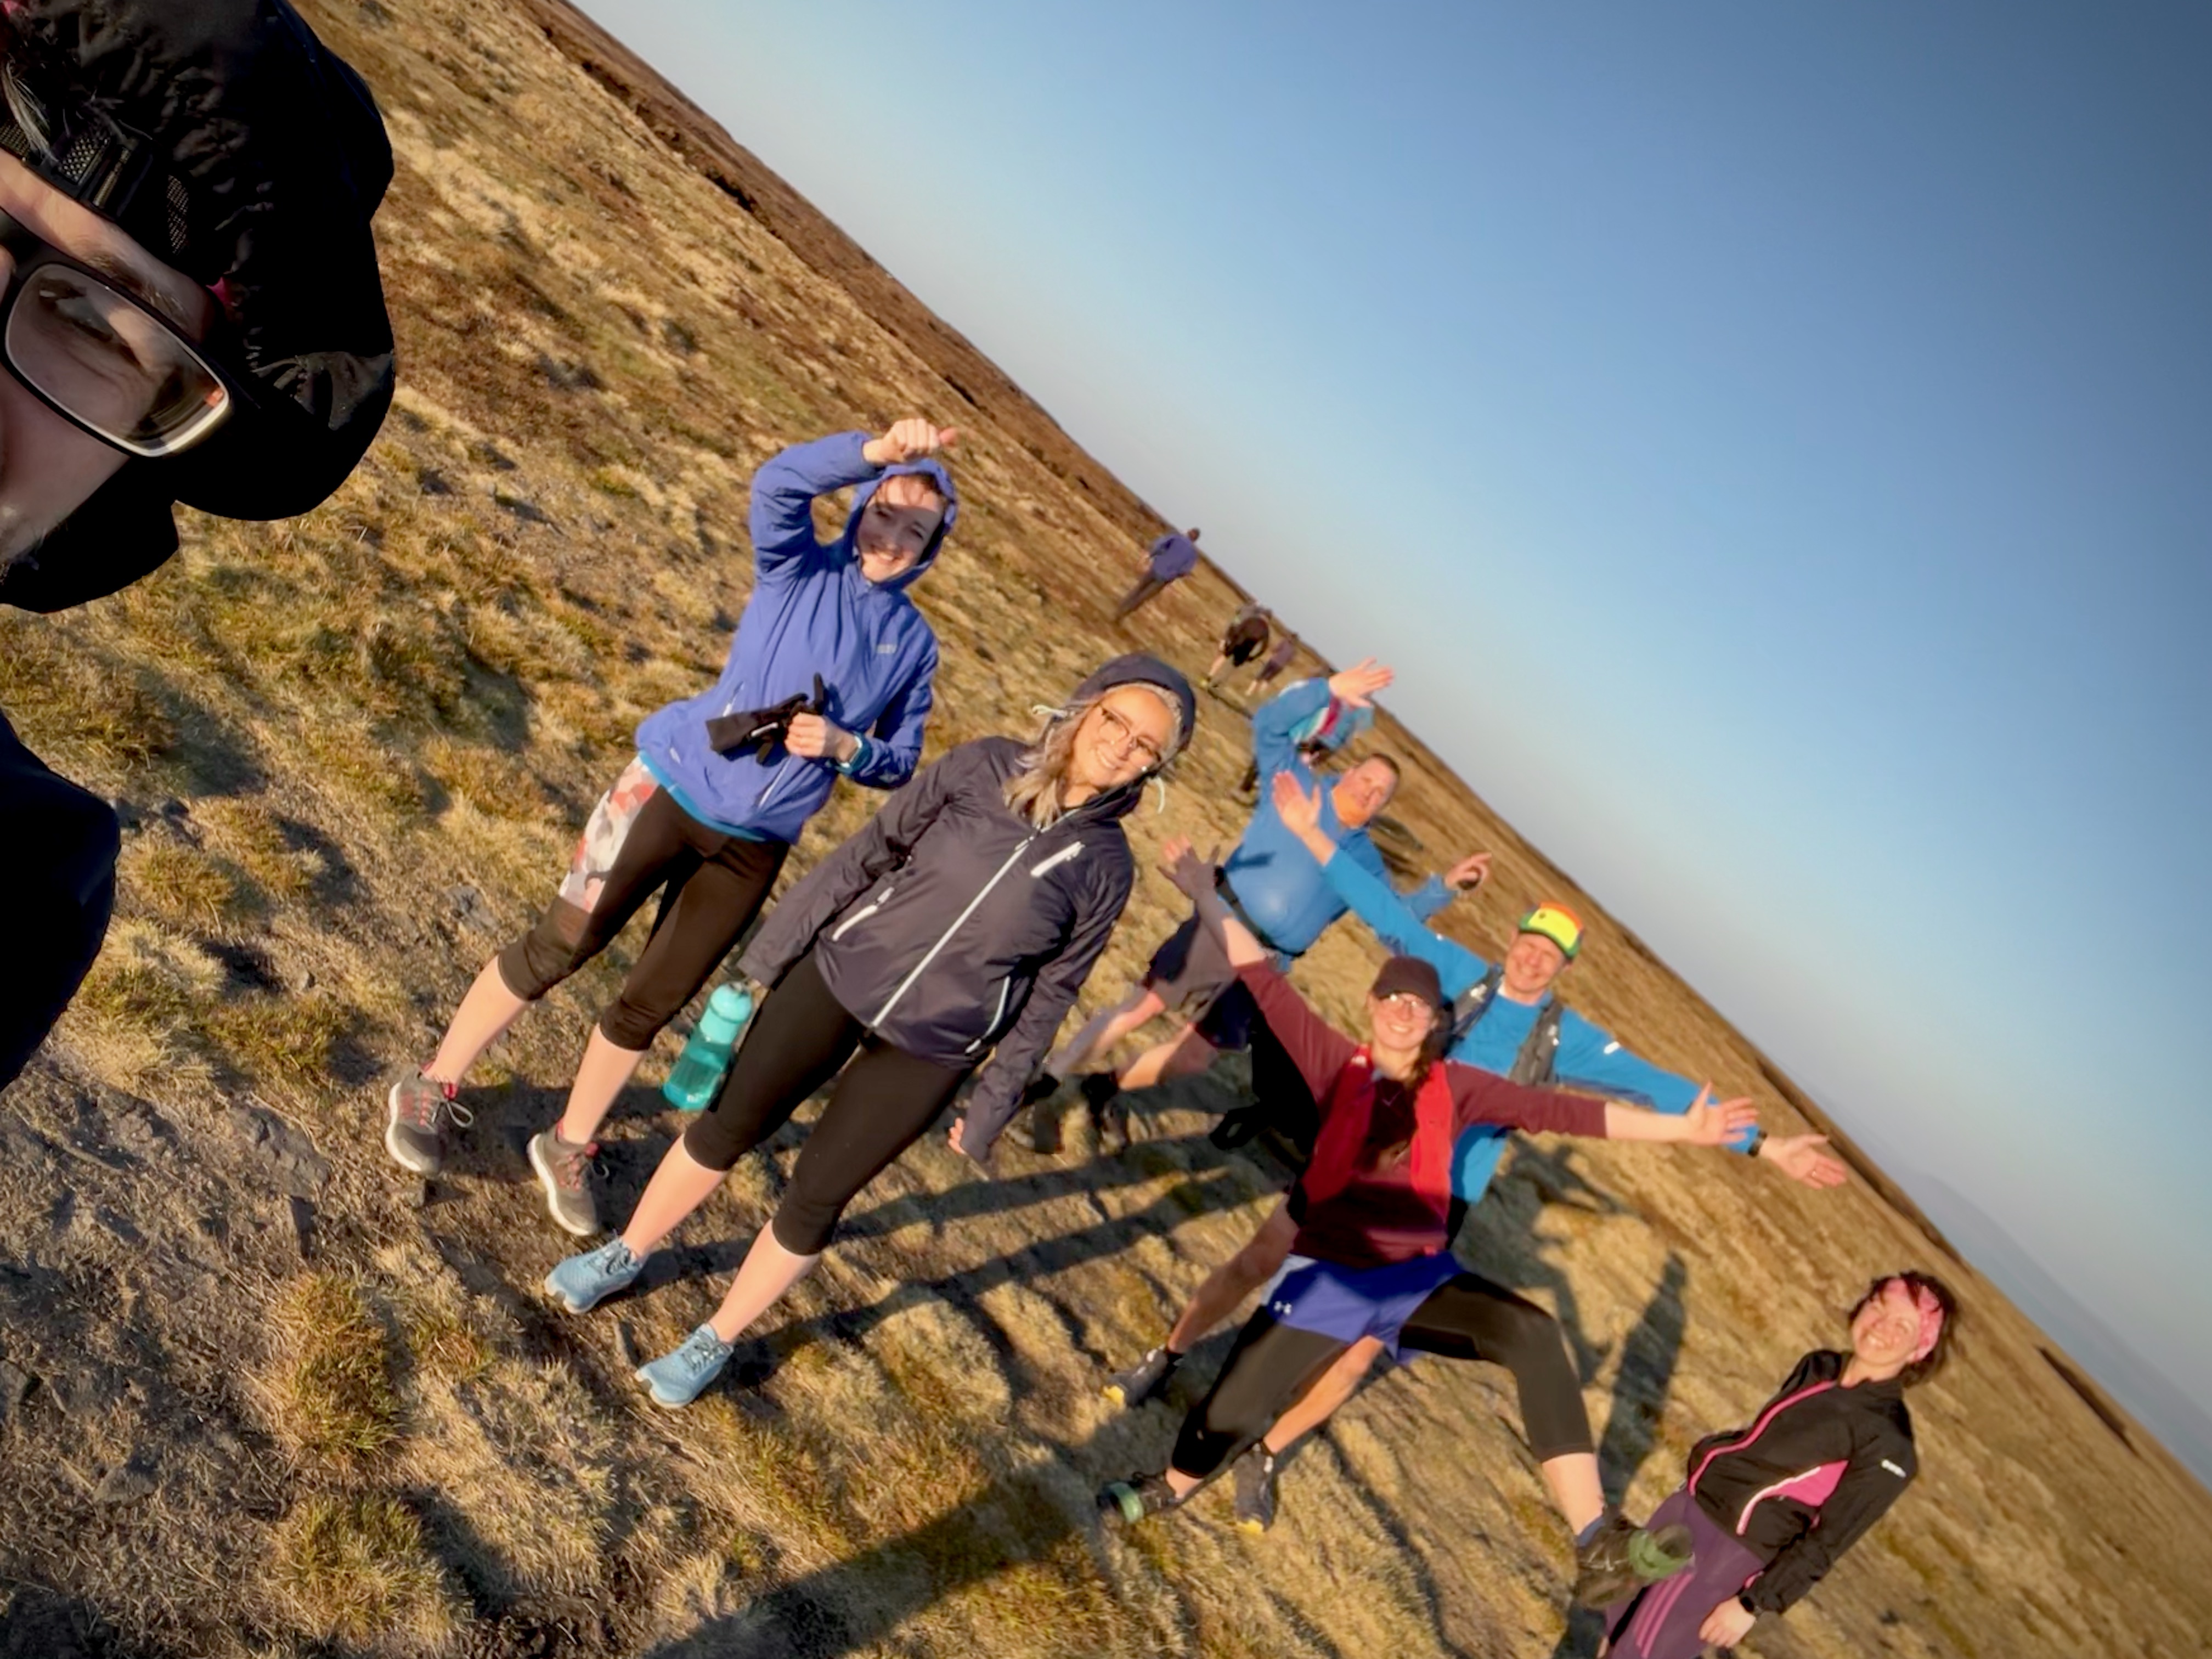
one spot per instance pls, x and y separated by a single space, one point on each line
1472 1004
1538 1062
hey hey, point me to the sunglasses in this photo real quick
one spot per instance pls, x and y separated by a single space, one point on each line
101 358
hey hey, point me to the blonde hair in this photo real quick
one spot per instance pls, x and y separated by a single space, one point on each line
1034 792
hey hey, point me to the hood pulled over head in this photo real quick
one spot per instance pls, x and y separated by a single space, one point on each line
941 478
1137 668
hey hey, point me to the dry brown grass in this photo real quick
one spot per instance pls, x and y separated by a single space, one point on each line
354 1569
330 1392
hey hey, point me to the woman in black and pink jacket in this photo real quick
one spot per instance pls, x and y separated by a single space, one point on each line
1771 1507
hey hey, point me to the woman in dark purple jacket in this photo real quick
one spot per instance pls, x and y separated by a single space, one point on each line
1771 1507
960 921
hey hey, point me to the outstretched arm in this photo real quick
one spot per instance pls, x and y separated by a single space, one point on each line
1707 1122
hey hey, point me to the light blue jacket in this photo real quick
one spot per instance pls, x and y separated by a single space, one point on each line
812 612
1588 1057
1276 881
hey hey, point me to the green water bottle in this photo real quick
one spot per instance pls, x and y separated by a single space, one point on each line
698 1070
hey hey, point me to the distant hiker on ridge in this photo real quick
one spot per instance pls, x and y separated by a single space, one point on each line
192 313
828 676
1171 558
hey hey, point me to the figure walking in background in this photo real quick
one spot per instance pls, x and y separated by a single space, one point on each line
1505 1020
1372 1257
1278 659
1276 887
192 312
828 675
963 918
1169 559
1245 638
1771 1507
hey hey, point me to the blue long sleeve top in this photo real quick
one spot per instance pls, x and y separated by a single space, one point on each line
1275 878
1590 1057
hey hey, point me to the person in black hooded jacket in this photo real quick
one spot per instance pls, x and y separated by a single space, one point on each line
959 922
193 314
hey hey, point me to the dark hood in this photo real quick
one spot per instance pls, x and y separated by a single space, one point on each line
928 467
233 145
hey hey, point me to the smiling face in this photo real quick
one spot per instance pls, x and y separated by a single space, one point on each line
1401 1022
48 467
1126 734
1884 1332
895 525
1532 963
1363 791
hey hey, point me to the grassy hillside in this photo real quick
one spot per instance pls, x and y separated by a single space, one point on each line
261 1394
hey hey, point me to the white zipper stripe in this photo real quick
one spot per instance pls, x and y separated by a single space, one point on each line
1012 858
1006 991
859 916
1074 849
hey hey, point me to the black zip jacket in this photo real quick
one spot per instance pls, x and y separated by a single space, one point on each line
948 925
1819 1465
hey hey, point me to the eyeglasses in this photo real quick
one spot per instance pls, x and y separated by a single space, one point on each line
101 358
1125 736
1405 1002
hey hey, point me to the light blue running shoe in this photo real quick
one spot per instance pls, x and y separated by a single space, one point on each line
679 1378
584 1281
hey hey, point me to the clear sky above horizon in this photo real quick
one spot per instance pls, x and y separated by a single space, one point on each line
1774 445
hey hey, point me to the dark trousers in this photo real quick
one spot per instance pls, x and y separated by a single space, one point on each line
58 844
1466 1318
884 1102
711 886
1147 589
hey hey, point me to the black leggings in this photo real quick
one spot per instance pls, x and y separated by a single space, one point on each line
640 842
884 1102
1465 1318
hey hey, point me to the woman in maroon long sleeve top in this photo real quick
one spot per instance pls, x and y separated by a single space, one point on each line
1371 1256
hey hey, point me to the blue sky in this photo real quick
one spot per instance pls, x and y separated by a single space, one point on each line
1773 444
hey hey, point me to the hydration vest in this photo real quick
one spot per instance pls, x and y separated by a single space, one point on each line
1537 1063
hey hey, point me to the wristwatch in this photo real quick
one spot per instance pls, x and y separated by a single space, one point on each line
1758 1140
1743 1600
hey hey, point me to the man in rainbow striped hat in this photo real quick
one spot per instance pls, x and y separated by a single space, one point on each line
1506 1019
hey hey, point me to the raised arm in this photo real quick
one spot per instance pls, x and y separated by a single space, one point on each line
782 516
1370 895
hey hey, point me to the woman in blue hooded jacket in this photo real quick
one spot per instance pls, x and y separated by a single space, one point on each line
828 675
960 921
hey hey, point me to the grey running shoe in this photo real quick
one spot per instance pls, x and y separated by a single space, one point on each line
1131 1388
414 1115
582 1282
1255 1489
1622 1558
679 1378
1130 1501
564 1170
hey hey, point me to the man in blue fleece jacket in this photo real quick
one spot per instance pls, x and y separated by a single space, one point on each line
1276 889
828 676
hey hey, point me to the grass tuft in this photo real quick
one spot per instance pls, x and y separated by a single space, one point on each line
354 1569
181 884
288 1038
334 1399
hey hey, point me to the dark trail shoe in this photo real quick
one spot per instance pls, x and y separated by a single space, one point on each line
564 1170
1131 1388
1255 1489
1044 1114
1110 1116
414 1117
1622 1558
1127 1502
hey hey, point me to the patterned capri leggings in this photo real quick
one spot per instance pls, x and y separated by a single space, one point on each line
638 843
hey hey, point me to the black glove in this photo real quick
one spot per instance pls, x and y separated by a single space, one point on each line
758 731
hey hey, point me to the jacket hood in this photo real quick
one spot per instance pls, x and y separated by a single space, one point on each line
1137 668
928 467
231 145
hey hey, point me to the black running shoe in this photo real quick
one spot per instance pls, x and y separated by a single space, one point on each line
1044 1113
1112 1122
1255 1489
1622 1558
1148 1377
1127 1502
